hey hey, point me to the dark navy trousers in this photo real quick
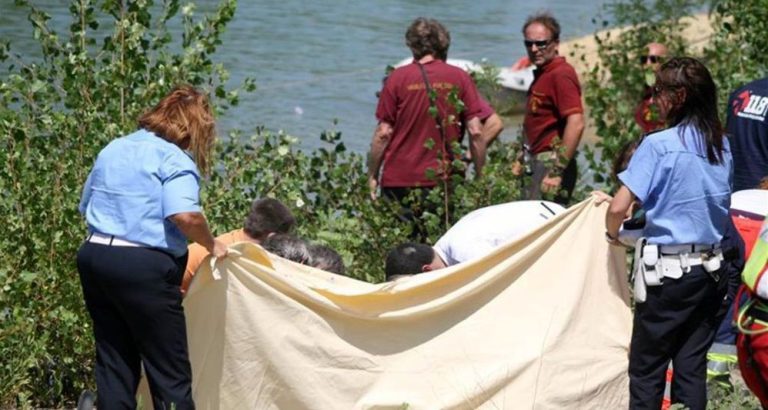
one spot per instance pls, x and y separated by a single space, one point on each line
677 323
132 295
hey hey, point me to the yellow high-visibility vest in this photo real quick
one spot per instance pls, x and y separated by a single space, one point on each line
756 265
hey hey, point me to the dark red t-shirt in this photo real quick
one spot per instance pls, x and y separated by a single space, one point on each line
647 114
404 104
554 95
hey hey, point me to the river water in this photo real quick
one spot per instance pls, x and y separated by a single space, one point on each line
317 62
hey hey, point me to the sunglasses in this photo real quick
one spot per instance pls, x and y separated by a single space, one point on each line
538 43
650 59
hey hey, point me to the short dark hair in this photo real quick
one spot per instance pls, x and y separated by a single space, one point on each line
408 259
428 37
289 247
326 258
546 19
267 216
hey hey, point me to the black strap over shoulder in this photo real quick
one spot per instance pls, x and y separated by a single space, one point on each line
438 118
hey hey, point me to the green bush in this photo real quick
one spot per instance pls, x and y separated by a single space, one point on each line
616 80
90 85
56 112
117 59
735 55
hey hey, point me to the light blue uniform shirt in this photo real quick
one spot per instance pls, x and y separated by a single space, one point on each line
137 182
686 198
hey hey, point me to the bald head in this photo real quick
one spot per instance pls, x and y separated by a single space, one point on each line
657 49
655 54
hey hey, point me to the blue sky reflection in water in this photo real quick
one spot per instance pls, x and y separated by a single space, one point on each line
314 62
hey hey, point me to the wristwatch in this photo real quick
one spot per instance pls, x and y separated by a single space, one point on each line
609 238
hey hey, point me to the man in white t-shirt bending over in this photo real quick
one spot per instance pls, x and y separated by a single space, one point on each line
473 236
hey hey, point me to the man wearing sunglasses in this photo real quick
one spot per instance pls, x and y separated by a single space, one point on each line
554 119
646 113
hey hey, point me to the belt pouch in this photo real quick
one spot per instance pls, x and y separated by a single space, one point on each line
671 266
711 261
639 286
650 261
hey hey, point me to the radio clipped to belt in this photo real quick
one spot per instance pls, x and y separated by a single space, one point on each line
652 265
645 274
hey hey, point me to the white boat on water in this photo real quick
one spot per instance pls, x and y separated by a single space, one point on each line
517 80
514 84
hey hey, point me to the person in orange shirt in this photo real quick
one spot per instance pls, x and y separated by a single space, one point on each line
267 217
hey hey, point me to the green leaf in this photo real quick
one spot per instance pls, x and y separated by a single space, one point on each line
27 276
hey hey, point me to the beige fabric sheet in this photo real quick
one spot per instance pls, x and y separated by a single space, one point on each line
541 323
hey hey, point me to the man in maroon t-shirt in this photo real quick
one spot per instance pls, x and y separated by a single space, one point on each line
646 113
554 119
400 147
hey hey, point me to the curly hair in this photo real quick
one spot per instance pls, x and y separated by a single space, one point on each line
289 247
427 36
326 258
546 19
267 216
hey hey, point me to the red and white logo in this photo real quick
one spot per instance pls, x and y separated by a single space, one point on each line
749 105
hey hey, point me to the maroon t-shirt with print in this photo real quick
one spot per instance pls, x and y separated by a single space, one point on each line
647 114
554 95
404 104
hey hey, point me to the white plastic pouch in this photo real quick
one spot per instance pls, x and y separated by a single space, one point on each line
653 275
670 267
711 262
639 273
650 254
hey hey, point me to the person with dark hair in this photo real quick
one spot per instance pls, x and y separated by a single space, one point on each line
289 247
747 125
554 116
411 259
400 154
326 258
141 203
681 176
268 216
